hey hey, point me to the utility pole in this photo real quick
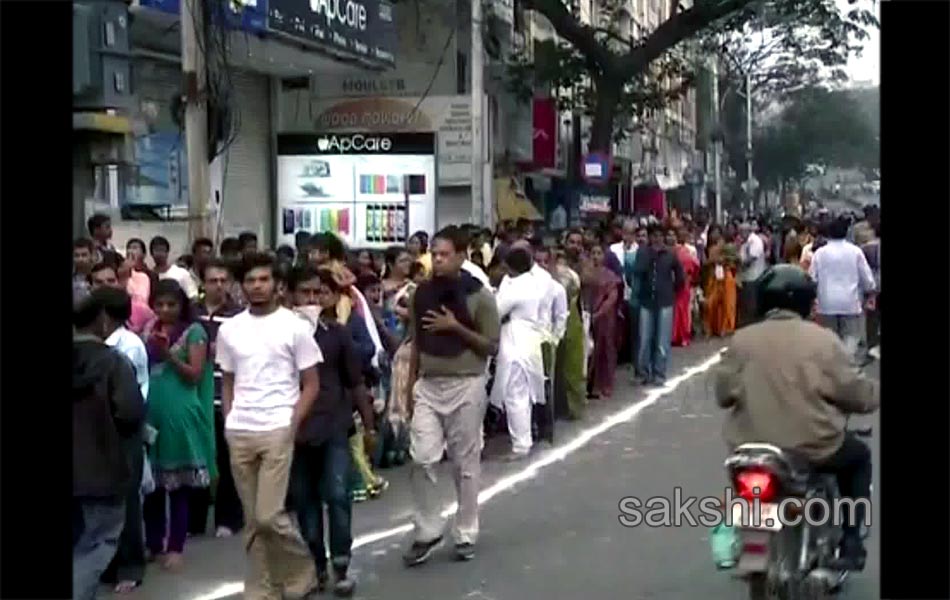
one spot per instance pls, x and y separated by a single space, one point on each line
717 143
194 89
748 135
478 92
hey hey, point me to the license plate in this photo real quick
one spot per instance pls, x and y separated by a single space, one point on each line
767 519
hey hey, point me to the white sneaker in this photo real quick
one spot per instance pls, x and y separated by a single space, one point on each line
223 532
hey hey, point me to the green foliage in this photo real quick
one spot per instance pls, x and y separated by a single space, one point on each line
601 70
817 126
559 66
790 46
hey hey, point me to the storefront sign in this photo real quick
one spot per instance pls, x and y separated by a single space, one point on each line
246 15
369 189
355 143
449 116
363 28
595 168
406 80
593 202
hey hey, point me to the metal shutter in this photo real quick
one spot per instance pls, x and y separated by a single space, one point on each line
246 203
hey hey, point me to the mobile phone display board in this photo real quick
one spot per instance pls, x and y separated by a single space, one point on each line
373 190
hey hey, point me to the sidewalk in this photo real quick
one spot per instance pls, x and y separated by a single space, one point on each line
211 563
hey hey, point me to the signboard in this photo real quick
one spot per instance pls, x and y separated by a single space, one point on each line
370 189
596 167
544 135
449 116
363 28
593 201
246 15
161 173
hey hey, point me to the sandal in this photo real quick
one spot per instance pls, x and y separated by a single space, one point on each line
126 587
381 486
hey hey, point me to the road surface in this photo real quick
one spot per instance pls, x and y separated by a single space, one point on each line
555 534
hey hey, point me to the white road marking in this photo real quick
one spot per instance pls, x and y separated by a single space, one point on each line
530 471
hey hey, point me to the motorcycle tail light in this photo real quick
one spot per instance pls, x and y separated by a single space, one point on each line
753 548
756 484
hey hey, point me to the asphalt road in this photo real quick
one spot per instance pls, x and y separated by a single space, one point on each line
555 535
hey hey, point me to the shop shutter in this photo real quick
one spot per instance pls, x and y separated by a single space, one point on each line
246 199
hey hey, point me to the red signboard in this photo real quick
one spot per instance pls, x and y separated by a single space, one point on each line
544 134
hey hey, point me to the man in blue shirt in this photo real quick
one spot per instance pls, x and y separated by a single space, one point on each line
127 569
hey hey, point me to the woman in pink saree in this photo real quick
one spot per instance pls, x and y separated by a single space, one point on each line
604 292
682 310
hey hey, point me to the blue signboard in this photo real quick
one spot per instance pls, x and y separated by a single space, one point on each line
161 178
246 15
362 28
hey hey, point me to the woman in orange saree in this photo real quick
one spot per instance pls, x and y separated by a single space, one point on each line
720 288
682 313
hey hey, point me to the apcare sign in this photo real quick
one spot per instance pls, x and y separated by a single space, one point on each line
345 12
361 28
355 143
342 144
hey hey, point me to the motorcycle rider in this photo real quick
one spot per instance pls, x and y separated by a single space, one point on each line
789 382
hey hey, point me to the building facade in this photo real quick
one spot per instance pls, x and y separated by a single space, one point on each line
253 52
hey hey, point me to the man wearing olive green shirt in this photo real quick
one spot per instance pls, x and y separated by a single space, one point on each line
455 328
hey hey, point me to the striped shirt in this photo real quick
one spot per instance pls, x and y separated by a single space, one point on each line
212 323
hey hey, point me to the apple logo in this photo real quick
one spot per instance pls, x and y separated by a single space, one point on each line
322 144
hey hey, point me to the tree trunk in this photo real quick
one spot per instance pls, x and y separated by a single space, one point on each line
602 128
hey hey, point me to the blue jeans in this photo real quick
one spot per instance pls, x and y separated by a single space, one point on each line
318 476
97 525
656 333
634 312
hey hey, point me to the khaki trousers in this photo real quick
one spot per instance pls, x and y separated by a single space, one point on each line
280 565
447 414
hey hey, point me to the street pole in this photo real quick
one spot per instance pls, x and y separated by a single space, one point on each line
748 135
478 92
717 145
194 79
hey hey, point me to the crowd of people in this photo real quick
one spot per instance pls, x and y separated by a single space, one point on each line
264 383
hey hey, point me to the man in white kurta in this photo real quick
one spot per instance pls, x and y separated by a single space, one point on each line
519 365
554 311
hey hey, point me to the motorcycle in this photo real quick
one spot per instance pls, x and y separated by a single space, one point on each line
784 562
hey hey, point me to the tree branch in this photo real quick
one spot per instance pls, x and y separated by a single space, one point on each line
614 36
568 27
676 29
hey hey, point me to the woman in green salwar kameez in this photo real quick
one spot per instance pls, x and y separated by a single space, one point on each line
180 408
570 382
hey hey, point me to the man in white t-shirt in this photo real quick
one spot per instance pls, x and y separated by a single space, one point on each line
160 249
752 255
268 358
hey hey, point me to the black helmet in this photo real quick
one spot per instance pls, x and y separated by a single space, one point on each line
787 287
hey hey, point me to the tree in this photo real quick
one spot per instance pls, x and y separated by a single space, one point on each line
620 77
819 127
774 56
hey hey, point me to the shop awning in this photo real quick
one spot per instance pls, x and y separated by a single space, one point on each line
102 122
668 182
511 203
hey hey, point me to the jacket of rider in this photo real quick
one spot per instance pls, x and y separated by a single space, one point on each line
791 383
